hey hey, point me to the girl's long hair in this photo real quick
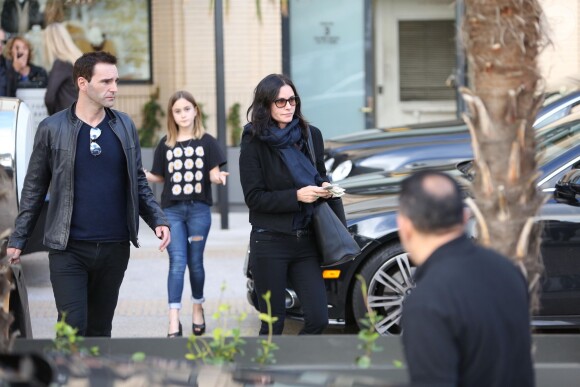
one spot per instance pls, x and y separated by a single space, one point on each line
259 113
173 128
59 45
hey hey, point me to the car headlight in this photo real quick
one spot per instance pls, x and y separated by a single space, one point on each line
342 170
328 164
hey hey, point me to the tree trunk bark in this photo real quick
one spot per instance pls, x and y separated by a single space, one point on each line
502 39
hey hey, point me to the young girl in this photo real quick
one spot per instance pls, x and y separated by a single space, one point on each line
187 161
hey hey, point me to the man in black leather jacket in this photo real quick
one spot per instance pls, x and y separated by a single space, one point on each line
89 159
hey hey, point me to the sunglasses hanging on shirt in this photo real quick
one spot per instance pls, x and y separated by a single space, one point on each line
94 147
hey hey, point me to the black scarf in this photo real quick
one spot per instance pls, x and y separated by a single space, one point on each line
289 142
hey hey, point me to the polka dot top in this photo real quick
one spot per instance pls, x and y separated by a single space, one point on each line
186 167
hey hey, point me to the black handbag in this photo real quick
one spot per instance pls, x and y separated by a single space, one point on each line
335 244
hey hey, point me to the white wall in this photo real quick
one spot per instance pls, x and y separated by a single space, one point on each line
560 61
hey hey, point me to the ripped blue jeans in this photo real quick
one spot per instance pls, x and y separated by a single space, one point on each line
190 222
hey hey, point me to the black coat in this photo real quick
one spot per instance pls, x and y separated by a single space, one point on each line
37 79
269 190
61 92
10 15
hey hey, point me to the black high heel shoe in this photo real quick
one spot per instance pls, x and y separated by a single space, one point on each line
199 329
179 333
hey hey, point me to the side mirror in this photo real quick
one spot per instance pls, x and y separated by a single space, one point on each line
568 188
467 169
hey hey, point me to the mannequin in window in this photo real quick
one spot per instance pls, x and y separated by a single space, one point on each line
18 16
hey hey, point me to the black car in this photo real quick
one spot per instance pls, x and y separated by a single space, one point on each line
371 218
393 149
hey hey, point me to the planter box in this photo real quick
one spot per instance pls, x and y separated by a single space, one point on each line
319 360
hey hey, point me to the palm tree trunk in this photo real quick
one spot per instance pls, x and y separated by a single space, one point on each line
502 39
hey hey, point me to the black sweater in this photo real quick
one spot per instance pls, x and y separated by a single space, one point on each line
467 321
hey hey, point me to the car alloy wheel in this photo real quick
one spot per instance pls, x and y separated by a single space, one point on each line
389 275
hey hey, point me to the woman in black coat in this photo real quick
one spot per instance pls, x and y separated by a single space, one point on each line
281 186
61 53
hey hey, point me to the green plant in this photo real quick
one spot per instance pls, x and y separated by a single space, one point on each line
224 344
235 124
67 341
265 352
368 335
151 113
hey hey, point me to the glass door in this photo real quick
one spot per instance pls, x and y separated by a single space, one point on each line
330 42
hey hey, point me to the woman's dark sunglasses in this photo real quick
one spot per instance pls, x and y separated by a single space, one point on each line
281 102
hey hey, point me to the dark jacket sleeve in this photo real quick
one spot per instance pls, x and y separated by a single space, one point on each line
11 79
149 209
34 189
38 77
59 74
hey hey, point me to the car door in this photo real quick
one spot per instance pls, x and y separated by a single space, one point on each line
561 256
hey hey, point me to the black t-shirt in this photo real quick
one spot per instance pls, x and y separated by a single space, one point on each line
186 167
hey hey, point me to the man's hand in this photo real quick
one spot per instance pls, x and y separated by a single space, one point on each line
162 233
13 255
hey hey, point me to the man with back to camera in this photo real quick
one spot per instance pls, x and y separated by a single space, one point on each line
89 156
467 321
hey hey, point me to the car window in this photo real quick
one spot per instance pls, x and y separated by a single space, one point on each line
548 119
554 142
550 184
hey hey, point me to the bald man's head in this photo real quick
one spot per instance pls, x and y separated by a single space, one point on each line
432 202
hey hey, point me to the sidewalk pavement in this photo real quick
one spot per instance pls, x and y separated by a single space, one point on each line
142 307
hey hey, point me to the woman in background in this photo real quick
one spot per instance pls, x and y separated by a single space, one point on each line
61 53
187 161
22 74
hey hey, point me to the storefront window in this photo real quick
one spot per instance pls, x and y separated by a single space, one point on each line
119 27
327 62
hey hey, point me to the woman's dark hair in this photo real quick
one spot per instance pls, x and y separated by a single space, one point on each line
266 92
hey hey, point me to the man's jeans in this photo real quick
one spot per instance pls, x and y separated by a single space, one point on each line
190 222
86 278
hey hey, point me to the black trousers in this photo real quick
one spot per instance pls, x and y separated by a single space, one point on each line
86 278
277 258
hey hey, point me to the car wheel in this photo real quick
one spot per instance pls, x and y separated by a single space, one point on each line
389 277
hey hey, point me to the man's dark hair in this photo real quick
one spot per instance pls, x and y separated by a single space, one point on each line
85 65
432 201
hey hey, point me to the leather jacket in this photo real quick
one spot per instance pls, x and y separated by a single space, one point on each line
51 167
